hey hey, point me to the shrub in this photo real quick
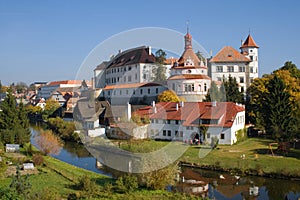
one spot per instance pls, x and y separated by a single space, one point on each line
127 183
38 159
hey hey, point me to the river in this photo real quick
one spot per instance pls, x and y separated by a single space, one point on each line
225 188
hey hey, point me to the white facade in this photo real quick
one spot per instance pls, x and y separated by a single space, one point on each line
237 70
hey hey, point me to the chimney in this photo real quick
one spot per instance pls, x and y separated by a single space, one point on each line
149 50
214 103
154 109
120 51
128 111
181 104
177 106
153 103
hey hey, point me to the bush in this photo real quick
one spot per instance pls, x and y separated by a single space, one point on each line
127 183
87 186
38 159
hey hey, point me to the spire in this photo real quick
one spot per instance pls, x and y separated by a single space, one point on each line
188 38
249 42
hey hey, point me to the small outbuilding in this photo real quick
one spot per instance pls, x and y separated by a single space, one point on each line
28 166
12 148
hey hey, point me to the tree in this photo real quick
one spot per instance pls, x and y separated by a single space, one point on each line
160 56
292 68
215 94
21 184
1 90
232 90
203 130
278 110
168 96
21 87
50 108
48 142
14 125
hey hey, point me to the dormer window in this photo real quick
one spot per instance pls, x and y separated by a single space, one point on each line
188 62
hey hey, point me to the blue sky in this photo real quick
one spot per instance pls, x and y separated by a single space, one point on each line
49 40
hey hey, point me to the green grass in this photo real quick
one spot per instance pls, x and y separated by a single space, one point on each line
257 157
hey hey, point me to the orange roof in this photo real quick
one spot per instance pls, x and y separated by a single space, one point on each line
249 42
170 61
188 76
132 85
229 54
191 112
65 82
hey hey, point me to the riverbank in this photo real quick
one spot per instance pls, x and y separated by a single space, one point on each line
250 157
58 180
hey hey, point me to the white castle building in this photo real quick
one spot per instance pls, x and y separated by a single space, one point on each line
189 74
241 65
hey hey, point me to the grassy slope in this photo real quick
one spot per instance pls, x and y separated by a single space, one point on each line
257 157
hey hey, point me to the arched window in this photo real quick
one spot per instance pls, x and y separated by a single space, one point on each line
205 87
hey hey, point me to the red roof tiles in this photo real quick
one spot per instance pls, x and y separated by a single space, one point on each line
249 42
229 54
132 85
191 112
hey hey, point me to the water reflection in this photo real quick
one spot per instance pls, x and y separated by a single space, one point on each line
72 153
234 187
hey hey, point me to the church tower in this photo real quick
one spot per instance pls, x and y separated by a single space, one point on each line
250 49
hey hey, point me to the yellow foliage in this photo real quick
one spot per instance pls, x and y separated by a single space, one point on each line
168 96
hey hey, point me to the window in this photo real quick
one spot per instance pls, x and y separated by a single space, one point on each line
208 135
120 92
149 91
242 79
124 69
141 91
242 69
136 77
124 78
173 86
145 76
230 69
222 136
176 122
219 68
156 90
219 78
108 92
189 87
127 92
169 133
251 80
176 133
114 92
205 87
251 50
156 121
164 132
129 78
168 121
251 58
251 69
242 89
180 133
129 68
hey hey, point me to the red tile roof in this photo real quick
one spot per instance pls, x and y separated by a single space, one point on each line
66 82
249 42
191 112
188 76
132 85
229 54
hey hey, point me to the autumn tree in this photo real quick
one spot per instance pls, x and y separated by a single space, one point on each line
50 108
160 56
48 142
273 103
168 96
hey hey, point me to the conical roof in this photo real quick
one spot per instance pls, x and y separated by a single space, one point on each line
249 42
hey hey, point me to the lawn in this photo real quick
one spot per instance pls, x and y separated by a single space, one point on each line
256 157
